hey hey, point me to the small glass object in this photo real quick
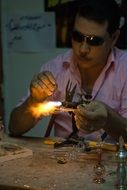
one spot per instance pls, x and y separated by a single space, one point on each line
1 129
121 165
88 98
2 152
99 168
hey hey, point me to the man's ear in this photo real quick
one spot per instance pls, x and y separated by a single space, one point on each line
115 37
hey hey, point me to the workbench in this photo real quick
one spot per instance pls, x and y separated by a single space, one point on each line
42 171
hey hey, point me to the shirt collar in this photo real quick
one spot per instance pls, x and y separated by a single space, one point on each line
110 61
68 62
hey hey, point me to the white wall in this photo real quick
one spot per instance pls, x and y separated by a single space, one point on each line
20 67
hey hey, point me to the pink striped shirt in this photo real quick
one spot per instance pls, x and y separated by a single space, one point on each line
110 87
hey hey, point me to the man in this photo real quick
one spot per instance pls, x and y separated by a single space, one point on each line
96 67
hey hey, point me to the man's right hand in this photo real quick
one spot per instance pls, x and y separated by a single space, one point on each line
42 86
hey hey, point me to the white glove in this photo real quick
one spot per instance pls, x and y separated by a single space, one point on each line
92 116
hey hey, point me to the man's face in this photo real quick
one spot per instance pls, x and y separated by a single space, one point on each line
93 50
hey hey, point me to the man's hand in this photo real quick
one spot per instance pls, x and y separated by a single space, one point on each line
42 86
92 116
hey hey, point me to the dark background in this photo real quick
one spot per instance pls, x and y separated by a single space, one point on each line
64 21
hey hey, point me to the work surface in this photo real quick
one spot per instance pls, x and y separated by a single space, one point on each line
43 171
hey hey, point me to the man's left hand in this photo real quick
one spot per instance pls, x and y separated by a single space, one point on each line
92 116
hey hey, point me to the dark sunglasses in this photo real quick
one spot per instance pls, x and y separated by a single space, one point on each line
91 40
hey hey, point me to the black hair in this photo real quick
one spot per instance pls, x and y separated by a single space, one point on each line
101 11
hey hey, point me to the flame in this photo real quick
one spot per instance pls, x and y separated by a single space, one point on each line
45 108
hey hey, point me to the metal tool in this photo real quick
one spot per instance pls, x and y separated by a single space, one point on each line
69 104
70 91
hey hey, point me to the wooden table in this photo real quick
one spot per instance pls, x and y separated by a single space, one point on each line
42 171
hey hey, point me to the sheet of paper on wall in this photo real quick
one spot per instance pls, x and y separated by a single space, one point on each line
30 32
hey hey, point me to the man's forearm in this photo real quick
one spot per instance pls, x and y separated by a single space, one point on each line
116 125
21 119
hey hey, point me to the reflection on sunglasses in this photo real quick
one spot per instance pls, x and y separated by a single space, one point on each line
91 40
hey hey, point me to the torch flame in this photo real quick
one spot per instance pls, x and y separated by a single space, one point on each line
45 108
